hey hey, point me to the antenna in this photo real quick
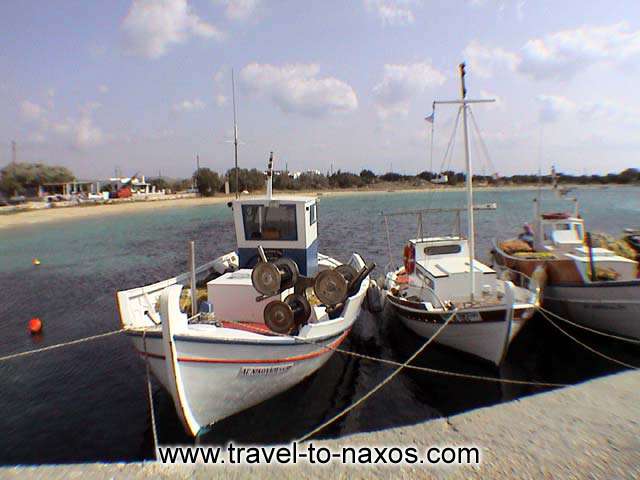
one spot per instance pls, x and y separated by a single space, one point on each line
235 130
270 177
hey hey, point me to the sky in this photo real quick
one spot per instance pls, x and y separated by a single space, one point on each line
145 85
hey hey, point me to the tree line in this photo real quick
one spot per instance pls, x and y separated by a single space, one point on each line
25 178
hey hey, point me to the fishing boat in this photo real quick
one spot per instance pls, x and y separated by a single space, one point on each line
249 324
592 286
440 277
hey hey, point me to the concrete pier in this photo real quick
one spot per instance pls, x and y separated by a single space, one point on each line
591 430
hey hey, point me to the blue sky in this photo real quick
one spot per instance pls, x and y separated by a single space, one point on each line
145 85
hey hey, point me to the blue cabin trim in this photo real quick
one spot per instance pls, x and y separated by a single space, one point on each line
305 258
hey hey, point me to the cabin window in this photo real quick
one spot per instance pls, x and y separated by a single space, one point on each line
312 214
443 249
270 223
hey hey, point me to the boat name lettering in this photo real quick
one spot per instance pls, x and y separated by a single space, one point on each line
468 317
265 371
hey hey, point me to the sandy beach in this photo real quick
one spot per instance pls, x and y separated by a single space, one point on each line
57 214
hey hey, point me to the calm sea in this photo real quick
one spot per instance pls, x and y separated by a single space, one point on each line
88 402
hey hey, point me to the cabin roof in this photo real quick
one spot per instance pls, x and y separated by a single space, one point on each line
581 254
275 198
438 240
452 266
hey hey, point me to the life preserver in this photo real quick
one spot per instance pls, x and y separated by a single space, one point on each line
409 258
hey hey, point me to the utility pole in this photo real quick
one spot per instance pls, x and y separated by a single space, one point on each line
235 132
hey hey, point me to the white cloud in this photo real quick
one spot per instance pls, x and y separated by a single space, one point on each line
31 111
563 54
189 105
221 100
103 88
393 12
552 107
80 132
297 88
86 134
402 83
240 9
484 60
151 26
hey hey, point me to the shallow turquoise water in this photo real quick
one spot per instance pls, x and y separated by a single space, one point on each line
88 402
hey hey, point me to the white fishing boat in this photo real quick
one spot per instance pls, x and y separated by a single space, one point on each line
262 318
441 276
592 286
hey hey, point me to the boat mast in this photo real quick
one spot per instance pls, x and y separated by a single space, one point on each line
464 105
235 130
270 178
467 158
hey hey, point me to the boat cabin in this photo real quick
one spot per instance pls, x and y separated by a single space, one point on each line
607 265
284 226
442 263
559 231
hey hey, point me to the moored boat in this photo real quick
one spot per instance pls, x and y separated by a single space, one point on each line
261 319
442 281
592 286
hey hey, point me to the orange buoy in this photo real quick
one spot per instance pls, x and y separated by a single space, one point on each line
35 262
35 326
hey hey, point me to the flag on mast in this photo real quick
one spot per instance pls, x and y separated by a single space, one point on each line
430 118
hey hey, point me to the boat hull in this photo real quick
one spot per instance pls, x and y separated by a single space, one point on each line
229 378
607 307
611 306
213 371
487 336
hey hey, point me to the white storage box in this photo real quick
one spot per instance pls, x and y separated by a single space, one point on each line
234 298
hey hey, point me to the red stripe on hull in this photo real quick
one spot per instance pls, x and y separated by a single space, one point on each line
296 358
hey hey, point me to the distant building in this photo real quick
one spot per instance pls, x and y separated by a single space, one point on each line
440 178
137 184
69 189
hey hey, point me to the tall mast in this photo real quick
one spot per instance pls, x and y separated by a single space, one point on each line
235 130
464 105
467 157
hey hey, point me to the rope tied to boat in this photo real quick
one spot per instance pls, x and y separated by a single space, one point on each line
394 363
60 345
381 384
152 412
592 330
591 349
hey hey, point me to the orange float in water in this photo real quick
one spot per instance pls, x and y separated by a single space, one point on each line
35 325
35 262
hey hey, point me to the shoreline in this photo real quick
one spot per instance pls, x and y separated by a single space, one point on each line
71 213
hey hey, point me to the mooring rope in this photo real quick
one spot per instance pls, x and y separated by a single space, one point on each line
394 363
150 397
591 349
592 330
60 345
380 385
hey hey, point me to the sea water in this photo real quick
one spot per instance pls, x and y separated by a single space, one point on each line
88 402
